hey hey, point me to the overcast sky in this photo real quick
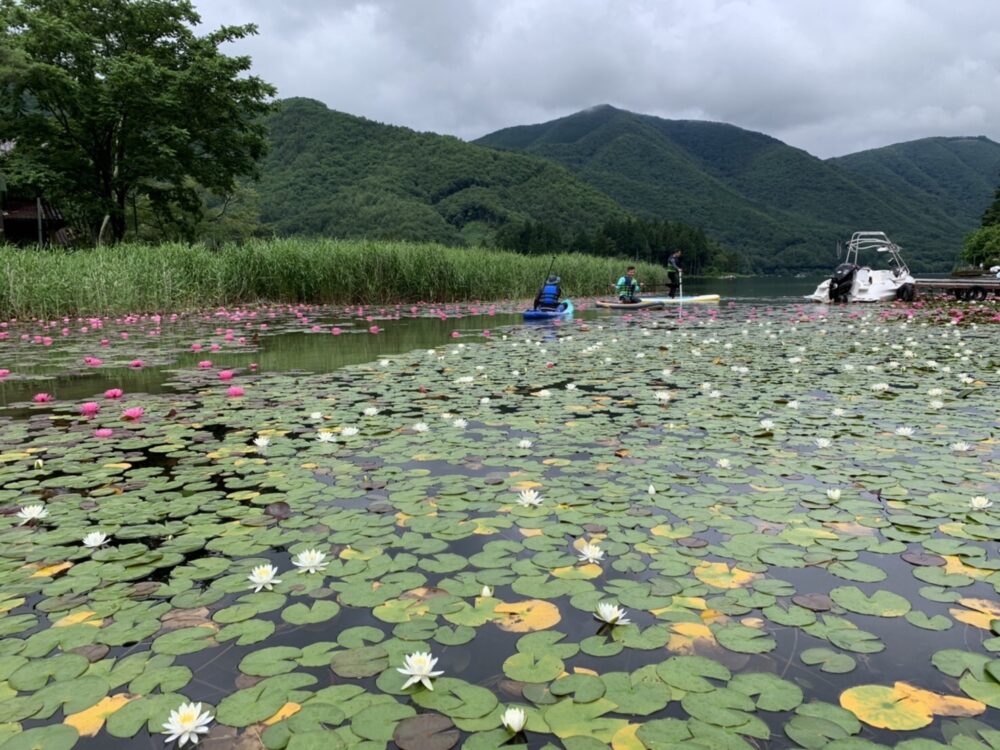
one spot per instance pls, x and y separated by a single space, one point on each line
828 76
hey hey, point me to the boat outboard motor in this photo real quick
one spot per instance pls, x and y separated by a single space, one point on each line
842 281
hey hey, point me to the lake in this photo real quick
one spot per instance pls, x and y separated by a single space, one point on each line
757 524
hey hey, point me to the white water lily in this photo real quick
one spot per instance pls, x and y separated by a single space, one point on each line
612 614
419 667
544 393
571 386
651 490
980 502
715 394
186 723
484 400
935 392
310 561
529 498
666 372
460 423
514 719
464 379
264 577
524 444
316 415
261 442
838 412
94 539
30 513
349 431
833 493
421 427
39 463
591 553
723 463
487 592
822 442
936 404
662 395
905 431
880 387
370 411
325 436
792 404
767 424
961 447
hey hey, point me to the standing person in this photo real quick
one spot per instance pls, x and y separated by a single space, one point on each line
674 272
548 296
628 287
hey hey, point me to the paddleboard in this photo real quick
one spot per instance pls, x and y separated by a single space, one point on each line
684 300
645 304
564 310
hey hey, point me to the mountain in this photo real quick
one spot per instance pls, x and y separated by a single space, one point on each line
957 174
333 174
781 206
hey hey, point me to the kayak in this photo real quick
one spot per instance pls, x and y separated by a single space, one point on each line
644 304
564 310
684 300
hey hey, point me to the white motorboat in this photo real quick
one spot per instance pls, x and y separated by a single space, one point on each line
853 282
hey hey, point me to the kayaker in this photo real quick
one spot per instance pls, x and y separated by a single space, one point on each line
548 296
628 287
674 272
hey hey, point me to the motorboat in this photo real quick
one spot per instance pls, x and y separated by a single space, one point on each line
854 282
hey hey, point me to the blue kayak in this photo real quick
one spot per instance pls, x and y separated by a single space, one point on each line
564 310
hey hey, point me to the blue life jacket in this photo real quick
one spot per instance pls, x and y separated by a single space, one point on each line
549 296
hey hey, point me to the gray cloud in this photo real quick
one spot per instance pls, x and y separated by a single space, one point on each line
829 76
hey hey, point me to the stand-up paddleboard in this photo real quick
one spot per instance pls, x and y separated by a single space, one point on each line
644 304
564 310
683 300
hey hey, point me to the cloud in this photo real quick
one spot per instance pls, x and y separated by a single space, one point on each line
829 77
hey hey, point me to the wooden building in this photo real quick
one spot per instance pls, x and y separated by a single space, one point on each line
31 222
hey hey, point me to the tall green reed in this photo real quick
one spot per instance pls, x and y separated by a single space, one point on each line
174 277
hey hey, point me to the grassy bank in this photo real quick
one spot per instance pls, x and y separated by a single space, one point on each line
165 278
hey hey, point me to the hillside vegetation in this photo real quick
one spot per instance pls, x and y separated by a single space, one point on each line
782 207
333 174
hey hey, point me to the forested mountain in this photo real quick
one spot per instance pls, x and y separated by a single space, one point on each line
779 205
333 174
956 174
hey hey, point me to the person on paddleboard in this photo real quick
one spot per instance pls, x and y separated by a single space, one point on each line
548 296
628 287
674 272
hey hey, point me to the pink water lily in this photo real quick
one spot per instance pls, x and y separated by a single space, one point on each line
234 391
93 361
90 408
42 398
133 413
4 373
225 375
205 364
103 432
136 363
113 393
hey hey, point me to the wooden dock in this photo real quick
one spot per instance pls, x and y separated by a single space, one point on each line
962 287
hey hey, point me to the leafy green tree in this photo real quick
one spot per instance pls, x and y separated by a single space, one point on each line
992 215
983 246
110 101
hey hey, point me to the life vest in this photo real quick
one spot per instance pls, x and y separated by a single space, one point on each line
549 296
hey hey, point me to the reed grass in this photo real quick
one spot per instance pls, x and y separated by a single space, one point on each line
175 277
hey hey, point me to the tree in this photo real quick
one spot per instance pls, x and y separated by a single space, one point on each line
983 246
992 215
113 101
